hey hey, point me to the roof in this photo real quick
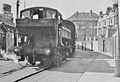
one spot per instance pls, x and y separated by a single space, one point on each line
40 7
107 16
84 16
7 20
7 23
9 28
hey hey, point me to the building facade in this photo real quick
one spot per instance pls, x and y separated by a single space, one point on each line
107 30
86 28
7 32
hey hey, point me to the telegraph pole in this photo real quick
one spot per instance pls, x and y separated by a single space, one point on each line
117 57
17 8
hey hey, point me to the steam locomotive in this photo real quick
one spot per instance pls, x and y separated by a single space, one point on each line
44 36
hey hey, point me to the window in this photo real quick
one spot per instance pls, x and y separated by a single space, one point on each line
96 39
99 24
39 13
26 14
44 14
104 22
35 17
50 14
91 39
110 20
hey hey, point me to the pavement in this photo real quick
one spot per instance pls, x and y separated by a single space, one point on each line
101 70
9 65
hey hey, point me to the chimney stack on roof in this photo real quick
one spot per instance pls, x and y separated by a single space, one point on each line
77 14
101 14
108 10
115 6
91 13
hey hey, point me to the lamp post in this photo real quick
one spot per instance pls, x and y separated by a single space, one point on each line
117 56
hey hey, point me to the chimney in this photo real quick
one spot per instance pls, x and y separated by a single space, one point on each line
77 14
108 10
91 13
100 13
115 6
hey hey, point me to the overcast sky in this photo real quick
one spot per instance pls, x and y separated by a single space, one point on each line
66 7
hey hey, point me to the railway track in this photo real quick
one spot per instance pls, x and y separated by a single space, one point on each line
24 73
11 71
38 71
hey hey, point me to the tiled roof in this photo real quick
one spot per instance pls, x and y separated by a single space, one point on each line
84 16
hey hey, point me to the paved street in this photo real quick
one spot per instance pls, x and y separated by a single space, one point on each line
85 66
78 69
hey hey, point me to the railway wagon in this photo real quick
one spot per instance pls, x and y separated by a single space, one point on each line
44 36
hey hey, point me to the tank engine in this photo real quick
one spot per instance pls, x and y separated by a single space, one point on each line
44 36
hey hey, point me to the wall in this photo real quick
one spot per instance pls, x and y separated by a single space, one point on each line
87 45
9 40
110 45
95 45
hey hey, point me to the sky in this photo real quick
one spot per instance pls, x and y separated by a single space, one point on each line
66 7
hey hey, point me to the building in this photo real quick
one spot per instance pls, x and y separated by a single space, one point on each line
86 28
107 30
7 32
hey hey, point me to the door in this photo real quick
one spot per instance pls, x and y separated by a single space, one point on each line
103 45
3 42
